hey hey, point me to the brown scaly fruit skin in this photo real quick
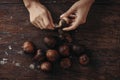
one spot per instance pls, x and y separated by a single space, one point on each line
65 36
78 49
64 50
40 55
52 55
84 59
68 38
65 63
46 66
63 23
50 41
28 47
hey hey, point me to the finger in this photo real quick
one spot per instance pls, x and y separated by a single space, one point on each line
74 25
71 21
46 21
42 24
67 18
66 14
35 25
77 21
39 24
72 16
51 21
63 15
69 28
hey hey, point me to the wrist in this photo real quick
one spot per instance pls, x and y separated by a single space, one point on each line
92 1
34 6
31 4
86 1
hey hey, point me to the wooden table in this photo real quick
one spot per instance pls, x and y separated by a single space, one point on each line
100 34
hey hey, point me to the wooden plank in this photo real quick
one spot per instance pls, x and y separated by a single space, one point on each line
63 1
101 34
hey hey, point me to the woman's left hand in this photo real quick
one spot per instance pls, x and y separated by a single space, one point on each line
77 14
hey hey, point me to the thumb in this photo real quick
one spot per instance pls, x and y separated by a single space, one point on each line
67 13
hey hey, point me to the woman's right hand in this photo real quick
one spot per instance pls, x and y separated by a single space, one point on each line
40 16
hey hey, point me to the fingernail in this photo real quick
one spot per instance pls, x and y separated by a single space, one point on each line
63 29
61 16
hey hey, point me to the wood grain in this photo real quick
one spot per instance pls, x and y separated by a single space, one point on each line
61 1
100 34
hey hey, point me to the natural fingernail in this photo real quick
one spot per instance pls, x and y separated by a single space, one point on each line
61 16
63 29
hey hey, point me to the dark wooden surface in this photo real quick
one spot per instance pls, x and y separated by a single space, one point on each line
101 34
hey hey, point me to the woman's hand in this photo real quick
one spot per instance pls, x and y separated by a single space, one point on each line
40 16
77 14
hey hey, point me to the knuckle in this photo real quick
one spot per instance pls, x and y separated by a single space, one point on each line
83 21
47 25
43 12
73 28
33 20
62 16
34 24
